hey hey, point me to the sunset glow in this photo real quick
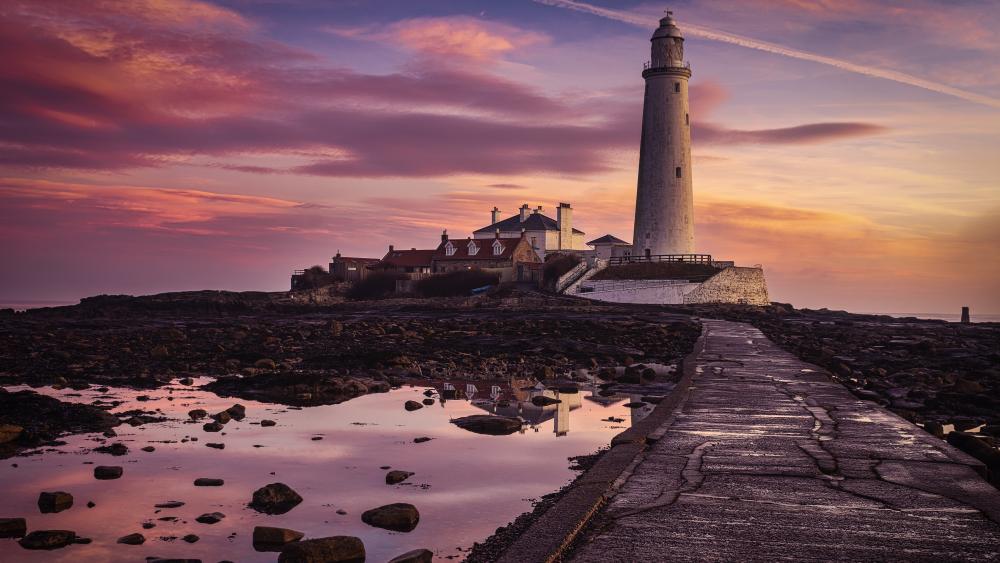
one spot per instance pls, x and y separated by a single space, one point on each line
168 145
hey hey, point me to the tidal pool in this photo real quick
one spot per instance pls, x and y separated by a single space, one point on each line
465 485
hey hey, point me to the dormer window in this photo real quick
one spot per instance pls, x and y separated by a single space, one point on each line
497 248
449 249
473 249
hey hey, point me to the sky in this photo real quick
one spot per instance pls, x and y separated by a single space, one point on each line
850 147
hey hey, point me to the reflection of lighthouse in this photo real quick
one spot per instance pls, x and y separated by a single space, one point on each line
664 202
562 418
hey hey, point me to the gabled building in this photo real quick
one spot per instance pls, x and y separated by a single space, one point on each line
512 258
413 261
350 269
610 246
544 234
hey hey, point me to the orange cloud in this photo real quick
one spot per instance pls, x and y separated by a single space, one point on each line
457 37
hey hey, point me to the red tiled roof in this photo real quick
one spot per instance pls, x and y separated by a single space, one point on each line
408 258
485 249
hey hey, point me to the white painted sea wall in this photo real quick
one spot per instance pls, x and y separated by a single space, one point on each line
732 285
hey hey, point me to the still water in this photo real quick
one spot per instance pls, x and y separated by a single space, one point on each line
465 485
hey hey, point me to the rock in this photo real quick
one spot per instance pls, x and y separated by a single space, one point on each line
185 381
197 414
415 556
90 504
215 445
412 406
393 477
191 538
398 517
116 449
47 539
132 539
108 472
148 449
488 424
336 328
10 432
237 411
148 525
212 427
210 518
222 417
13 527
265 423
635 405
543 401
169 504
159 353
275 498
208 482
266 538
336 549
54 502
428 402
265 363
421 440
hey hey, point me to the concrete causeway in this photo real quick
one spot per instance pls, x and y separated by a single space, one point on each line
767 458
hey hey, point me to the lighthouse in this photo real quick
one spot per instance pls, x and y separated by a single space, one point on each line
664 201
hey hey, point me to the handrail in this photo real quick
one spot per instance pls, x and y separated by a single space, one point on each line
678 258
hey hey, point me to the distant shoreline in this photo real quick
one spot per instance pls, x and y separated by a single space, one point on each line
25 304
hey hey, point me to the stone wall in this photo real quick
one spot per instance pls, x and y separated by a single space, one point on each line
662 292
732 285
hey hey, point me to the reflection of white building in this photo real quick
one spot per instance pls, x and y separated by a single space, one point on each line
533 414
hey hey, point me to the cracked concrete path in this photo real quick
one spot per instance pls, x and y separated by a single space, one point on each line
769 459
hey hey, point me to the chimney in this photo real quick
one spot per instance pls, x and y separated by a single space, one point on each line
496 216
496 234
538 209
390 248
524 212
564 222
444 236
965 315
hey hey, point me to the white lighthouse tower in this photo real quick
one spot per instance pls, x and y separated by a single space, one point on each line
664 201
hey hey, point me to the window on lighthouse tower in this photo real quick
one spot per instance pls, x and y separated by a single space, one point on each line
677 171
677 86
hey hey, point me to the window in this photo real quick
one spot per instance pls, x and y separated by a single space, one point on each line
449 249
677 86
497 248
534 243
473 249
687 119
677 171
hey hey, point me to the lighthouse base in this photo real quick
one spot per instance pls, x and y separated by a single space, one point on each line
728 284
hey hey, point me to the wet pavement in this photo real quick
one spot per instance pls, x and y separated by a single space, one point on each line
769 459
336 457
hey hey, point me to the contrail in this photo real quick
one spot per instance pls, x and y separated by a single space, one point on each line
725 37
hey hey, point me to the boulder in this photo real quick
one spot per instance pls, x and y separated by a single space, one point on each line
47 539
191 538
13 527
488 424
237 411
222 417
186 381
415 556
212 427
132 539
428 402
421 440
197 414
208 482
336 549
266 423
54 502
398 517
396 476
266 538
265 363
107 472
210 518
215 445
412 406
116 449
275 498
